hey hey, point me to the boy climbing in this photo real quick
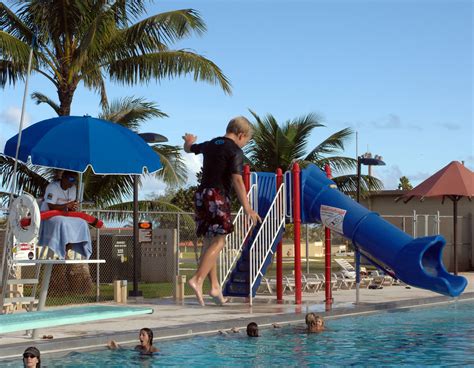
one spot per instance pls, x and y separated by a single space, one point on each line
222 169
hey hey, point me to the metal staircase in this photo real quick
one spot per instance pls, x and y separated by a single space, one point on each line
249 264
266 241
236 240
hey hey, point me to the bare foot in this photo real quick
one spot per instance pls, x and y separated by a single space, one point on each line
197 290
217 297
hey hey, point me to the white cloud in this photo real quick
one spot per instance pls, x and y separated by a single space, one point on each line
151 187
419 177
389 122
389 175
193 164
449 126
11 117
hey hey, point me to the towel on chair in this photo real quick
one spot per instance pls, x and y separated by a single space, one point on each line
58 231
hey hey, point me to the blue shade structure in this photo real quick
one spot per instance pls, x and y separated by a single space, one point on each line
77 142
417 262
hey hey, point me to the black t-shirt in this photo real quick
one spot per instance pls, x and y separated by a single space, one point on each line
222 158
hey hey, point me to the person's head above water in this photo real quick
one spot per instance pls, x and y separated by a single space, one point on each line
314 323
146 337
31 357
252 329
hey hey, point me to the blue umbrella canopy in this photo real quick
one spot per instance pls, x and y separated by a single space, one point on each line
77 142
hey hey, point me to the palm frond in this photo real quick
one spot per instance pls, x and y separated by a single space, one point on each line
131 112
106 190
40 98
330 145
11 72
337 163
13 25
32 179
174 170
13 48
123 211
348 183
95 37
156 32
167 64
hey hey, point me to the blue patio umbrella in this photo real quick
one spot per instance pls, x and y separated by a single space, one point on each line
77 142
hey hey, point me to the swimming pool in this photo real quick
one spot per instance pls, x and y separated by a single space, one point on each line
435 336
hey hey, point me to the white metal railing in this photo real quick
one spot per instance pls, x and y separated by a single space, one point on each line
235 241
273 222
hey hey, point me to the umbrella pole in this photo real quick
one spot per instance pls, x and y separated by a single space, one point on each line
455 227
3 265
22 119
135 292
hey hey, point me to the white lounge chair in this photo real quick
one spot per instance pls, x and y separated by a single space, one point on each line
344 282
381 279
267 285
348 270
311 282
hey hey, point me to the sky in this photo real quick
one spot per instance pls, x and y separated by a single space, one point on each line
399 73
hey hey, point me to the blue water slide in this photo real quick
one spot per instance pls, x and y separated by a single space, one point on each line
417 262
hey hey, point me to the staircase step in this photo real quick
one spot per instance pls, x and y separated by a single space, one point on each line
240 277
22 281
237 288
243 267
23 299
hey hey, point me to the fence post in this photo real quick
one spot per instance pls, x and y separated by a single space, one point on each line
279 270
97 276
247 177
327 255
297 229
178 231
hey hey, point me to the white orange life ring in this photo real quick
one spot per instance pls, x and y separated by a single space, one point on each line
25 206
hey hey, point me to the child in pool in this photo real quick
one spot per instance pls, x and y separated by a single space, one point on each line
146 342
314 323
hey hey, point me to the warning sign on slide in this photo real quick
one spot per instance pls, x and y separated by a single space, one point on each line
333 217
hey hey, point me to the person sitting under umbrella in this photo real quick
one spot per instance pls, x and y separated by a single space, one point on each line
61 233
61 194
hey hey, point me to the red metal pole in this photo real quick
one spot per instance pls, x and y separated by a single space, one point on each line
327 255
246 177
297 228
279 267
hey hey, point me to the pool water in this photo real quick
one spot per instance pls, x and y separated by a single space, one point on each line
435 336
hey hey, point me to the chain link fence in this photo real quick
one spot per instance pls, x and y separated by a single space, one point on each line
174 251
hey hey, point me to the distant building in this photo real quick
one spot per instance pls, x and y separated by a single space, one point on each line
426 211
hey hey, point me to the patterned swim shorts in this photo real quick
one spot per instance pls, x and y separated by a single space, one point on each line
212 212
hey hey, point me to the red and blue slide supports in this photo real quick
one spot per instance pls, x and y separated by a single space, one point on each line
417 262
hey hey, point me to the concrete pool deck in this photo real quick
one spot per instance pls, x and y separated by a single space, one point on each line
171 320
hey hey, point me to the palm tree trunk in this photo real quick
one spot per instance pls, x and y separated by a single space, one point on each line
66 94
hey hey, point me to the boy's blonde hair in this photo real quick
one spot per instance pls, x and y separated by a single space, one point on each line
239 125
311 319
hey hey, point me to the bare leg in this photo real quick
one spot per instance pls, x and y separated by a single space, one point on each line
208 261
216 292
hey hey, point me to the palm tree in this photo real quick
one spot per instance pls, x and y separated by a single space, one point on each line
90 40
277 145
